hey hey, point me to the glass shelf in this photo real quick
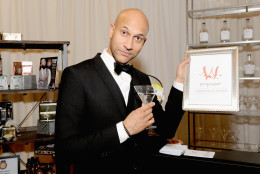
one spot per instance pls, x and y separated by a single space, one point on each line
249 78
226 44
29 44
228 10
217 145
26 91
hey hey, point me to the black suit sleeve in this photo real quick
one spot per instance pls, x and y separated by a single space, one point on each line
72 139
168 121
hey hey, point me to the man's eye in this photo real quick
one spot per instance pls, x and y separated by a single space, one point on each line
138 38
124 32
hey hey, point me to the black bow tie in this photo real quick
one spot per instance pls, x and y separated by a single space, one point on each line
126 68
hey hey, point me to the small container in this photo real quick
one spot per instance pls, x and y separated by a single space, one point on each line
9 130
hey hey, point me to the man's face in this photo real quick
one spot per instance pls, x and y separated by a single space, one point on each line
43 62
127 37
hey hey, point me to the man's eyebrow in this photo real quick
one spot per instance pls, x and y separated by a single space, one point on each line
137 34
125 27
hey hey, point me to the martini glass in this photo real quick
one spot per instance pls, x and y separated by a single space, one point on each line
146 94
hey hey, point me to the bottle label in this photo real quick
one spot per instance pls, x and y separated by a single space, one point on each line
248 34
249 69
225 35
204 37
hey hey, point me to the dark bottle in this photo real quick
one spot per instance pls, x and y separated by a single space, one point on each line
38 169
49 169
32 165
54 168
28 166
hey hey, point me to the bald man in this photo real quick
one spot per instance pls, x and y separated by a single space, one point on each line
100 121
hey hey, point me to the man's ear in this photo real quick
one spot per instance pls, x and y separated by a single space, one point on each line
111 30
145 40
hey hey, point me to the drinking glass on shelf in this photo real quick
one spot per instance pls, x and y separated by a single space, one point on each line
242 103
213 133
199 131
224 133
254 107
248 103
234 136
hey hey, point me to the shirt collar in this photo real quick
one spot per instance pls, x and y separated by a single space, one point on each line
108 60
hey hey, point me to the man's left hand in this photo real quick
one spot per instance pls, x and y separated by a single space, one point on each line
181 71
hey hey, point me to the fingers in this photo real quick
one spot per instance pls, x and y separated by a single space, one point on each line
181 70
139 119
147 106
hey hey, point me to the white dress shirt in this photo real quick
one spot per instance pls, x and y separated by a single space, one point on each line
123 80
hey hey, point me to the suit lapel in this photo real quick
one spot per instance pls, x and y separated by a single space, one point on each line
111 84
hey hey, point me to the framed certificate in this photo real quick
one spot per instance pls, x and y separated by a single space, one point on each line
9 164
211 80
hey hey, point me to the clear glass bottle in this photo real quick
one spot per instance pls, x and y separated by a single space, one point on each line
225 33
248 31
204 36
249 67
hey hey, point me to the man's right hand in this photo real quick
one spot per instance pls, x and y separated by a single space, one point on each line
139 119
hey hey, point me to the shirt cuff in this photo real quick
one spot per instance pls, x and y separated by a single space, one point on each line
178 86
122 134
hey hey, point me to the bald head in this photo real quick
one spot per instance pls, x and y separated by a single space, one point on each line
135 16
127 35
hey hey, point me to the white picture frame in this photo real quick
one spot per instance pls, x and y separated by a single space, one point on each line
211 80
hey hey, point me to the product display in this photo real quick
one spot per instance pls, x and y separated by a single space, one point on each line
204 36
46 127
47 110
248 31
225 33
29 82
11 36
46 122
3 82
23 82
23 68
33 166
18 70
9 131
249 67
47 72
6 109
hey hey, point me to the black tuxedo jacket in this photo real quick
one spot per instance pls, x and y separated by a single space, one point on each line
90 104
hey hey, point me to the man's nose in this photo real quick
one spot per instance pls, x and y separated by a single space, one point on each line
128 43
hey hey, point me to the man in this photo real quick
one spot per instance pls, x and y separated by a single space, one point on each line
44 75
101 122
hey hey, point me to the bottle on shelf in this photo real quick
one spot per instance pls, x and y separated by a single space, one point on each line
249 67
204 36
248 31
225 33
1 70
28 166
